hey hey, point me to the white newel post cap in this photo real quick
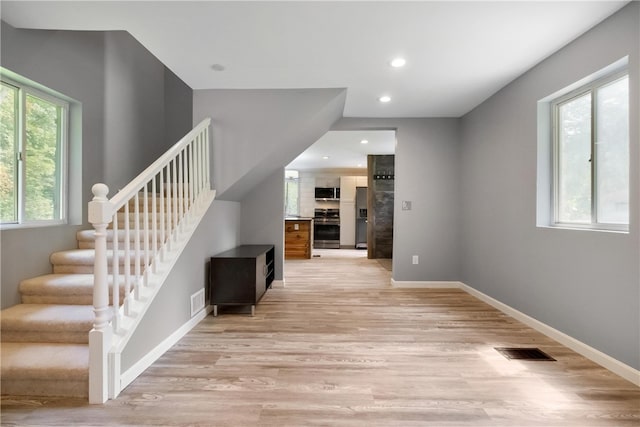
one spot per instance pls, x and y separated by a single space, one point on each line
99 212
100 191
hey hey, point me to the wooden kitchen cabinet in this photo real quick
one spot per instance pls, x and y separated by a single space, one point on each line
241 276
297 238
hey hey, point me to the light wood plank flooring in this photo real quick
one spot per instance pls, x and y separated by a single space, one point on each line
338 347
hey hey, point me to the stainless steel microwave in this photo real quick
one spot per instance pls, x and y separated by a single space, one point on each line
327 193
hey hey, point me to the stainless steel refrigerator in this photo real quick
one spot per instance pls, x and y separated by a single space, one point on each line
361 217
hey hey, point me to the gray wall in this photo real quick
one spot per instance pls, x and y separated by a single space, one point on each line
426 173
178 108
134 109
171 309
256 132
583 283
71 63
122 90
262 217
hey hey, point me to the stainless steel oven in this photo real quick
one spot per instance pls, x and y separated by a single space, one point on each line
326 229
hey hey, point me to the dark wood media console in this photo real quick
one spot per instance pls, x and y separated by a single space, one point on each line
241 276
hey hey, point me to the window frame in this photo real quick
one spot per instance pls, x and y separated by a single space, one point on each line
20 151
588 88
287 180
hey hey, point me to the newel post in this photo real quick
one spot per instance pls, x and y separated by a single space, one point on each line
101 334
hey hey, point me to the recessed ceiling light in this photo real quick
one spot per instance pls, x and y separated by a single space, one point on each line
384 98
325 157
398 62
217 67
364 141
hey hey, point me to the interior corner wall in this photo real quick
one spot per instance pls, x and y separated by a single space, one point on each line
134 109
262 217
583 283
427 174
122 90
218 232
178 108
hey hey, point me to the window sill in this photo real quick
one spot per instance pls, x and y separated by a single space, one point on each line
574 227
22 226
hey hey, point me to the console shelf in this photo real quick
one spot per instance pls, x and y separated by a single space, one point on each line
241 276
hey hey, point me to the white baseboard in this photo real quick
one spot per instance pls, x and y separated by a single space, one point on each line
278 284
425 284
139 367
602 359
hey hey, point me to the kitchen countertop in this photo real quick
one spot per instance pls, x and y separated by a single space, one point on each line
291 218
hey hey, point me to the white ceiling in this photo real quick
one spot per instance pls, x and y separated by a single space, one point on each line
345 150
458 53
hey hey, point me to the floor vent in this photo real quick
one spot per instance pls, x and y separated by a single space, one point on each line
524 353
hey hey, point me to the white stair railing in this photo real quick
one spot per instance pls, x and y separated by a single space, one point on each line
148 214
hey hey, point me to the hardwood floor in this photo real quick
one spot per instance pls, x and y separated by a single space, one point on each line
338 347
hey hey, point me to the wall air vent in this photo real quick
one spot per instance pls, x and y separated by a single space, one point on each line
197 302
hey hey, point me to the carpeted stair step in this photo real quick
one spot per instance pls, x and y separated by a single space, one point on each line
45 369
158 202
63 289
132 217
47 323
80 261
86 239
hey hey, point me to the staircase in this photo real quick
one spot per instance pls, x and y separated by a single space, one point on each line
66 337
45 340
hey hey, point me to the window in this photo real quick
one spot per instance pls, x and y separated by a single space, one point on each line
591 155
33 155
291 193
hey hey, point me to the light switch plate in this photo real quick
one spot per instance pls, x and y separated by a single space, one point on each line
406 205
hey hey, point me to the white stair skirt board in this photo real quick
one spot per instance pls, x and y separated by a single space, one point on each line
141 365
617 367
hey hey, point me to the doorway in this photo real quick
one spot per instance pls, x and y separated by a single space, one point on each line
356 169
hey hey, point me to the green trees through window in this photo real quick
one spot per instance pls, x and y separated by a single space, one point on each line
32 156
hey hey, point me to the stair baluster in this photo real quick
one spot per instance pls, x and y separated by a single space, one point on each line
180 177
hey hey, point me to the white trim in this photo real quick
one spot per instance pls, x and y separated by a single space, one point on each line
24 88
425 284
141 365
604 360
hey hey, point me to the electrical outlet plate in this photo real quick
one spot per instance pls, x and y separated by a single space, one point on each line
197 302
414 259
406 205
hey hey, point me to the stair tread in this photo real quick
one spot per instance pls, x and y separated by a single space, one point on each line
52 361
82 256
90 235
62 284
47 317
